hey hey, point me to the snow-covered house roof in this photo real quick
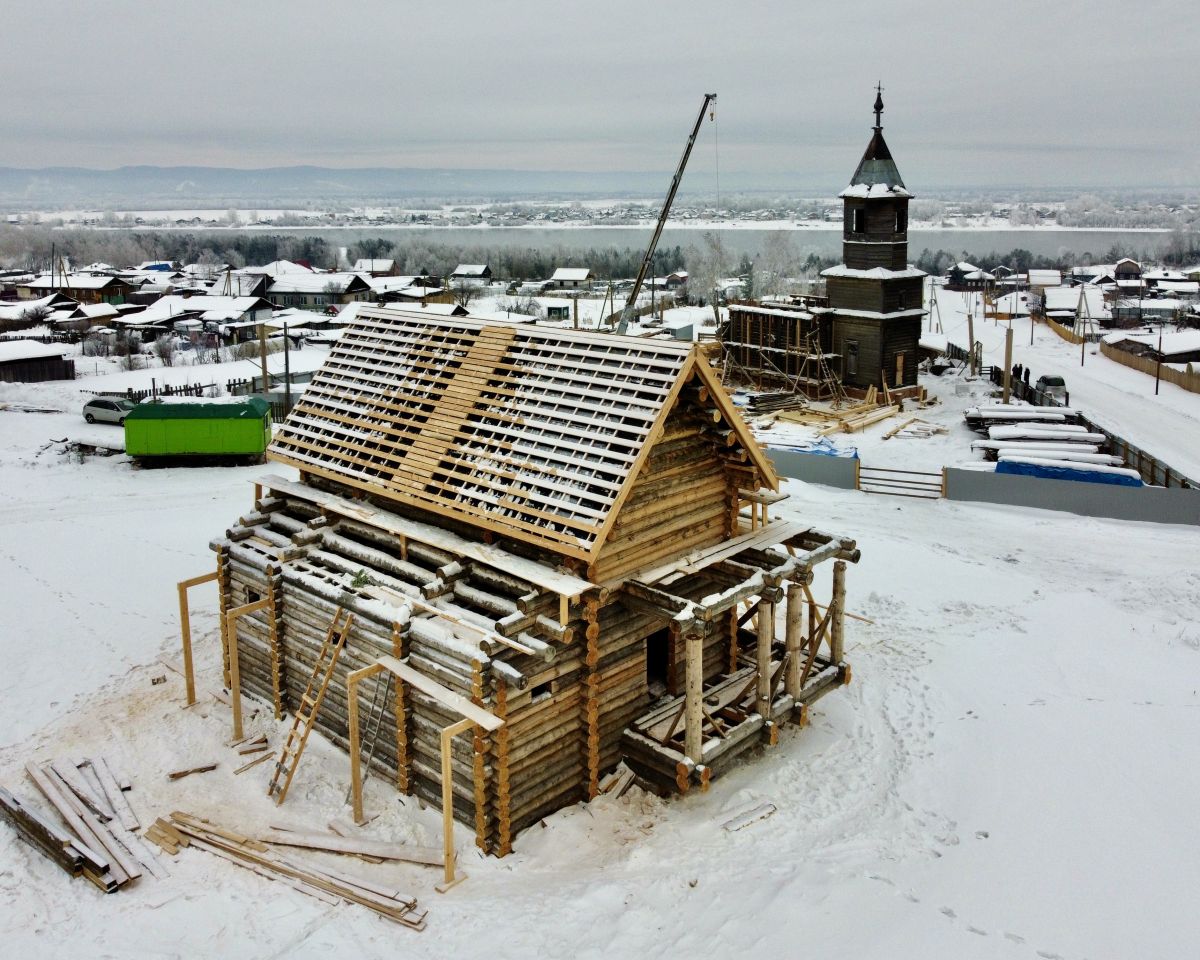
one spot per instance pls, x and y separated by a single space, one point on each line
277 268
571 275
373 266
1015 304
73 281
467 271
309 282
12 351
1045 278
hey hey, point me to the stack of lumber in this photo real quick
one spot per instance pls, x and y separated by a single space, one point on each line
65 849
760 403
846 420
330 886
100 823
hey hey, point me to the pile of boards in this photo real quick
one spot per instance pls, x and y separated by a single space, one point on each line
99 839
826 420
330 886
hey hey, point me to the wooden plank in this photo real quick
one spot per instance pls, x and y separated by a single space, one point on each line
114 795
774 532
456 702
357 846
180 774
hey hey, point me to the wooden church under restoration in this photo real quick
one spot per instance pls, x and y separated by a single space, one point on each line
569 530
867 333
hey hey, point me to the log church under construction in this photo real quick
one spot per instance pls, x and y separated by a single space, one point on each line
571 530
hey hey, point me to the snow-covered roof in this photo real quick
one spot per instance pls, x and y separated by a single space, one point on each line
875 273
72 281
1045 278
871 191
571 274
1163 274
372 266
309 282
13 350
1179 286
469 270
1173 344
276 268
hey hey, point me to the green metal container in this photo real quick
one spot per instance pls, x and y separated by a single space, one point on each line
165 429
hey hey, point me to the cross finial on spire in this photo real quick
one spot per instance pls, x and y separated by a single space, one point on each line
878 106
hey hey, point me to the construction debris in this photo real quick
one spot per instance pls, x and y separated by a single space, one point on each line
180 774
99 821
185 830
827 421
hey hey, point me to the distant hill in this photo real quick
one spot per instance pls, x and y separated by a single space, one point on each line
181 187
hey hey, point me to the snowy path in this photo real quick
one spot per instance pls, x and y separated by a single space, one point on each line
1011 774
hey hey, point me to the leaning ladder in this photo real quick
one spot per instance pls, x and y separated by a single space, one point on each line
310 704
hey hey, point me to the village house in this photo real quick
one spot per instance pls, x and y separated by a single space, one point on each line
569 530
318 291
477 274
376 268
572 278
86 288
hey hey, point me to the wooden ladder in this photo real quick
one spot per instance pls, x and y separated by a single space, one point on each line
310 704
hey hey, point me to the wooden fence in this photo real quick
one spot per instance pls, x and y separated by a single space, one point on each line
1188 379
1069 335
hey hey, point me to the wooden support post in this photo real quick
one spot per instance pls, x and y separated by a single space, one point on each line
235 677
837 611
352 681
794 637
766 635
693 695
448 735
185 630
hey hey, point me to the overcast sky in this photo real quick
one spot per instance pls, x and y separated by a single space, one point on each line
1021 93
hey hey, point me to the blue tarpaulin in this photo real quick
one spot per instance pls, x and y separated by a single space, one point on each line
1048 472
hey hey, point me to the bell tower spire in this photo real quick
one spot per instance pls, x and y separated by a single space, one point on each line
878 106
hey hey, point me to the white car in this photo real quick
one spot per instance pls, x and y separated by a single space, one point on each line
107 410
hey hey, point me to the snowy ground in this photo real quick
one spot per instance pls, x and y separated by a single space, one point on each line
1011 774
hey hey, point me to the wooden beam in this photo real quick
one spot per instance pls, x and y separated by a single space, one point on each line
185 630
448 735
456 702
693 696
235 676
352 681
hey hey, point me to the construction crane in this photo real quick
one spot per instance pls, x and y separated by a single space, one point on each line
627 313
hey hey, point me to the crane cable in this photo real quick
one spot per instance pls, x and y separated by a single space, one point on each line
712 117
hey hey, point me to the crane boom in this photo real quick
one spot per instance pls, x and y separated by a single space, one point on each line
628 311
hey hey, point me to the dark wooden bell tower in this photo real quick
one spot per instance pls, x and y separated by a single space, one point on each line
875 297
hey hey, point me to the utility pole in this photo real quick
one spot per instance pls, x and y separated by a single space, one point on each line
1007 363
287 372
971 334
1158 365
262 354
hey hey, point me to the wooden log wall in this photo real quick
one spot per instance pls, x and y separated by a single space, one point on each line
681 500
565 703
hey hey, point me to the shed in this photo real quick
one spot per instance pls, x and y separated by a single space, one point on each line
182 426
27 361
570 529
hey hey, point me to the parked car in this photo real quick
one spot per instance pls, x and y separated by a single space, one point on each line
107 410
1054 386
